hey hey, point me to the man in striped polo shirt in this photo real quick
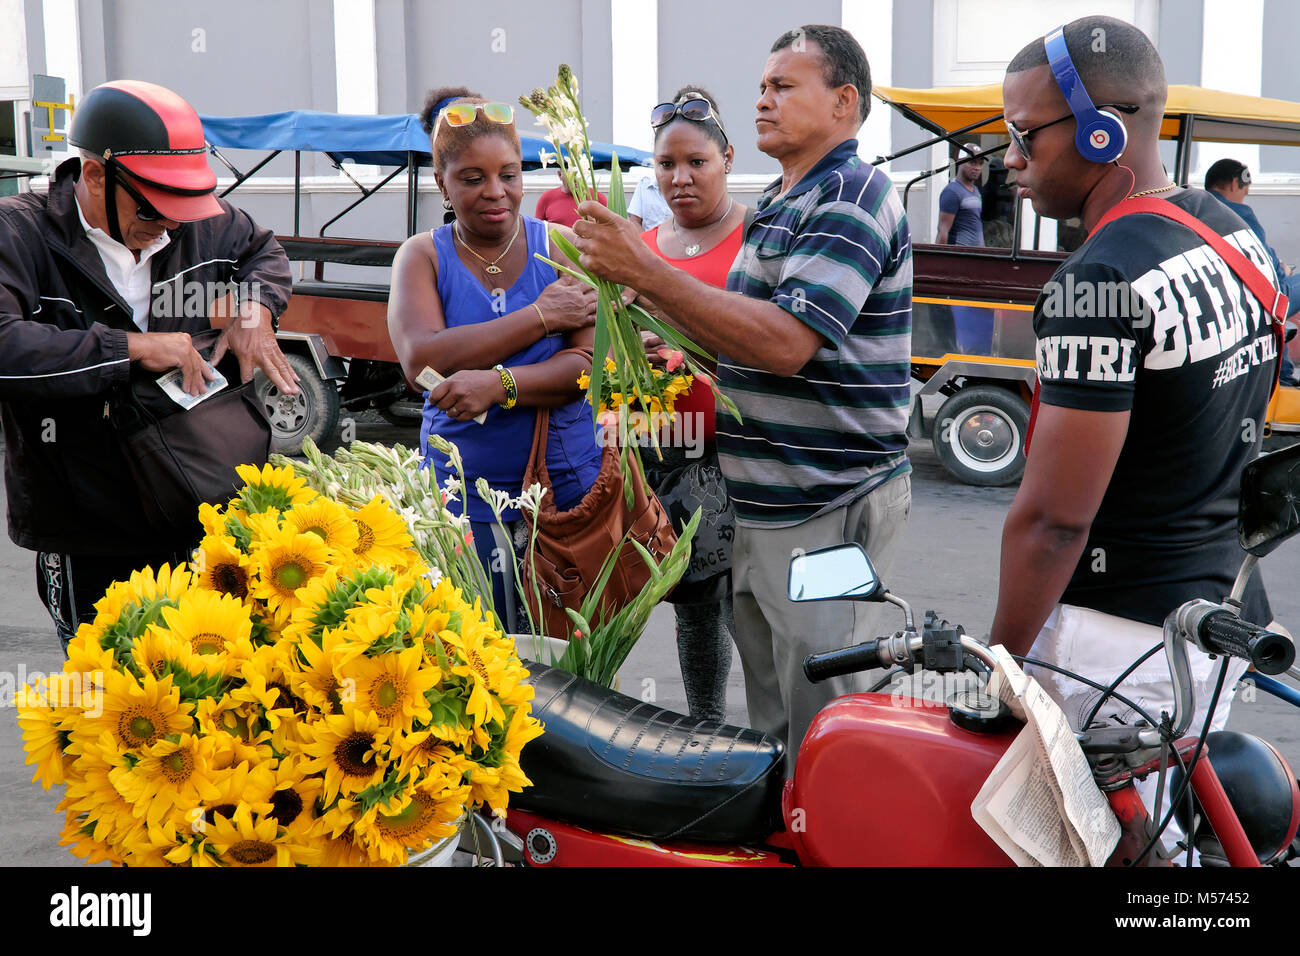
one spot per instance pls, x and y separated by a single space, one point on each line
814 339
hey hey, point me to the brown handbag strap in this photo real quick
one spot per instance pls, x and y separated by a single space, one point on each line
537 460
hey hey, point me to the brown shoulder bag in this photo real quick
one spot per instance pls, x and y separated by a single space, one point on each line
572 545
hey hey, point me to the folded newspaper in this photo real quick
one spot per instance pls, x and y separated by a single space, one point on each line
1040 804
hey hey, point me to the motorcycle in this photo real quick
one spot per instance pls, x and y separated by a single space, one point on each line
620 782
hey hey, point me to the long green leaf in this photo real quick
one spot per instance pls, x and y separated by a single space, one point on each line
617 201
580 276
567 247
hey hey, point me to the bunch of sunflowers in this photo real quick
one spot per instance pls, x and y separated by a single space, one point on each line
646 406
302 693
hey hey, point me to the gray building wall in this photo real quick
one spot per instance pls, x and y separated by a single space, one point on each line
495 47
33 13
505 47
731 72
1280 78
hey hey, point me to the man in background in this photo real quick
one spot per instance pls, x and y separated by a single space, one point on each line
1229 181
647 207
558 205
961 203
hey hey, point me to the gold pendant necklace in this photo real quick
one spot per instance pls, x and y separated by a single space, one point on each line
694 248
491 268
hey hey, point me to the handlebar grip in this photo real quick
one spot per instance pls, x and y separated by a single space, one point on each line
1225 633
847 660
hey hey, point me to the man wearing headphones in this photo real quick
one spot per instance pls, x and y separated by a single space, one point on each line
1151 398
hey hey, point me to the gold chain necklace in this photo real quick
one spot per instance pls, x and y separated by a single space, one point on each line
491 268
694 248
1152 192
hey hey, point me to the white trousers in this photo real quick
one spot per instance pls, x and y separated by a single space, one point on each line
1100 647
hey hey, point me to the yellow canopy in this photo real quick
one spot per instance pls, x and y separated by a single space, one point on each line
1216 116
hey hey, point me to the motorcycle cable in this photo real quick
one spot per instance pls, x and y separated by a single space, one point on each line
885 681
1187 775
1091 683
1092 714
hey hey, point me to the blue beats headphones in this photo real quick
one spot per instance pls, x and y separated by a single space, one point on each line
1100 137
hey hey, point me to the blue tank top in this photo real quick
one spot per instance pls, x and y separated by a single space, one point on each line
498 449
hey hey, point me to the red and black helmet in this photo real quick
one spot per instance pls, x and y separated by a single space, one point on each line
156 138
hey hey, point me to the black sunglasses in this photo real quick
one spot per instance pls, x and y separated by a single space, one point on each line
1021 137
144 210
695 110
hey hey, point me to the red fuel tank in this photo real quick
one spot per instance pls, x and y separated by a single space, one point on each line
883 781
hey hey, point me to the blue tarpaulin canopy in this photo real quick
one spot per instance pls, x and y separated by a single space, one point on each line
370 140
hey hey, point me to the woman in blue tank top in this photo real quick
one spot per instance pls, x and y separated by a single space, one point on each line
471 301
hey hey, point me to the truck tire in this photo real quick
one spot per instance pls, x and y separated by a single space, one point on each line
979 435
313 412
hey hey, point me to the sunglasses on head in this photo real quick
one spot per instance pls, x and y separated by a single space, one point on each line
144 210
696 110
1021 136
463 114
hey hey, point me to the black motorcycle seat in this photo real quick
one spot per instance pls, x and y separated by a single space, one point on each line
610 762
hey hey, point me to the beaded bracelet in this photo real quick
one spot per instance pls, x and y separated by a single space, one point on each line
508 383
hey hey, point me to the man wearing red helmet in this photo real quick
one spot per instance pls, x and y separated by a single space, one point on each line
90 282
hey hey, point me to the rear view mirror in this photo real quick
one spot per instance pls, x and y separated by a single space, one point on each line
1270 501
840 572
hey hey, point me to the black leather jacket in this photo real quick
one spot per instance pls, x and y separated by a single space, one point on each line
63 356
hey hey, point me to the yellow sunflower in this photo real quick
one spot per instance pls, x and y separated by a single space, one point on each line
170 778
393 686
477 665
293 802
497 774
43 729
382 538
246 839
272 487
328 520
411 820
106 816
78 836
316 681
138 713
343 850
128 607
351 748
216 627
283 565
242 784
221 566
242 735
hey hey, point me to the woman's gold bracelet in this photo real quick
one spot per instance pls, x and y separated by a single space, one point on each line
540 316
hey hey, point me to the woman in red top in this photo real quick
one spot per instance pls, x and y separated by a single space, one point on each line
704 235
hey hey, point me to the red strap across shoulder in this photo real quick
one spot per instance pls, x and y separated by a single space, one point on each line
1274 301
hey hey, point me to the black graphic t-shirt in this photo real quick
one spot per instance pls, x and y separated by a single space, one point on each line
1146 317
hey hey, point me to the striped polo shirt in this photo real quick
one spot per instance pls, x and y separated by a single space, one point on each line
835 253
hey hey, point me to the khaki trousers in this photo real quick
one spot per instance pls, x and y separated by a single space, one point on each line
775 634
